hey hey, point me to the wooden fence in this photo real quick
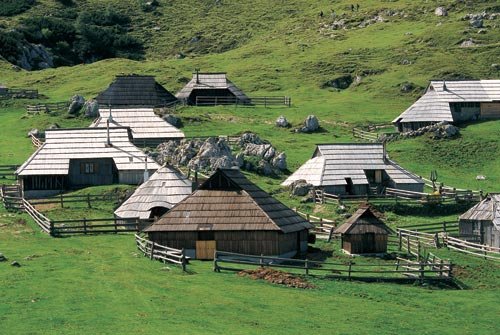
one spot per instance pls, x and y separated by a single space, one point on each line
414 242
255 101
436 227
162 253
48 107
323 228
19 93
403 269
474 249
365 135
37 143
7 173
88 199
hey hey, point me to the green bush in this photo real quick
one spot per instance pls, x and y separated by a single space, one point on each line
9 45
13 7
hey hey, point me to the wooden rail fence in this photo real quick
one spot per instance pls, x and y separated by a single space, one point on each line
348 270
7 173
48 107
37 143
365 135
19 93
88 199
323 228
474 249
254 101
162 253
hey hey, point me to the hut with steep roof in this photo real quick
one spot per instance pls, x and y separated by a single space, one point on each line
452 101
229 213
354 169
163 190
73 158
135 91
481 223
205 87
363 233
148 129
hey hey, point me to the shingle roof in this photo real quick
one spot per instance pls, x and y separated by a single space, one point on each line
363 221
204 81
165 188
143 122
434 105
487 210
332 163
135 90
229 201
61 145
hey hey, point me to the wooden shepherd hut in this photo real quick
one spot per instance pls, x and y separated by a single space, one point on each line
164 189
229 213
135 91
481 223
204 88
78 157
364 233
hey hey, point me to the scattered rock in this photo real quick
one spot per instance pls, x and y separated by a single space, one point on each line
482 31
340 83
495 66
54 126
300 188
91 108
35 132
240 159
441 11
214 153
407 87
2 258
15 68
172 119
476 23
180 55
279 162
311 124
249 137
467 43
282 122
264 168
480 177
34 56
16 264
406 62
77 102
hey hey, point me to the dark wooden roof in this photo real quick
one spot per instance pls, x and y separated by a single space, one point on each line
229 201
137 91
363 221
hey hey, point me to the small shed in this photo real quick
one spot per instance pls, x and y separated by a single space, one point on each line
481 223
164 189
229 213
208 86
148 129
364 233
3 90
135 91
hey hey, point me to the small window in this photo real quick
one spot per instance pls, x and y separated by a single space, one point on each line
88 168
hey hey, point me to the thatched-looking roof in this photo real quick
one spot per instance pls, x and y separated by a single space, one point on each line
143 122
61 145
332 163
165 188
229 201
487 210
434 105
210 81
363 221
137 91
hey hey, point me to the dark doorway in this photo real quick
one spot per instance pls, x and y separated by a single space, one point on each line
157 212
369 243
349 187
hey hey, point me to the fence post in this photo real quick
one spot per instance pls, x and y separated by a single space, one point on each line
444 226
116 227
349 272
216 264
62 201
261 261
183 260
422 271
307 267
400 240
151 254
419 248
85 226
408 250
88 200
441 268
265 102
397 265
436 240
307 217
51 229
330 234
450 269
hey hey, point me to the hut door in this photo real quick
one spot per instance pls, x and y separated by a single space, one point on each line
368 243
378 176
205 249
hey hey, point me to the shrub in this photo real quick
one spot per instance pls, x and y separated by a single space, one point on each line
9 42
13 7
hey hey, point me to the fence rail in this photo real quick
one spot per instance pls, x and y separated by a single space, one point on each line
36 141
474 249
48 107
322 227
19 93
162 253
349 270
7 172
253 101
365 135
62 199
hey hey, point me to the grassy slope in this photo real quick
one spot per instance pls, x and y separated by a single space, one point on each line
78 283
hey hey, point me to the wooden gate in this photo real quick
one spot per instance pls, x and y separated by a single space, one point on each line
205 249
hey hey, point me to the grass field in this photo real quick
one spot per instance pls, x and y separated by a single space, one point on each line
100 284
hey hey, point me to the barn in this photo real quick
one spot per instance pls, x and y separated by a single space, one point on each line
203 88
229 213
363 233
73 158
454 102
354 169
135 91
148 129
481 223
153 198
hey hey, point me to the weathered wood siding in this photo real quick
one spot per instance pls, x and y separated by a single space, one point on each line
359 244
490 110
483 231
407 187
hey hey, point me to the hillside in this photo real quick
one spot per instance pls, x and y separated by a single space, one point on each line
100 284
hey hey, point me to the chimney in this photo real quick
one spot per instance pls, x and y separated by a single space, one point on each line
197 75
146 172
110 119
444 86
385 152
